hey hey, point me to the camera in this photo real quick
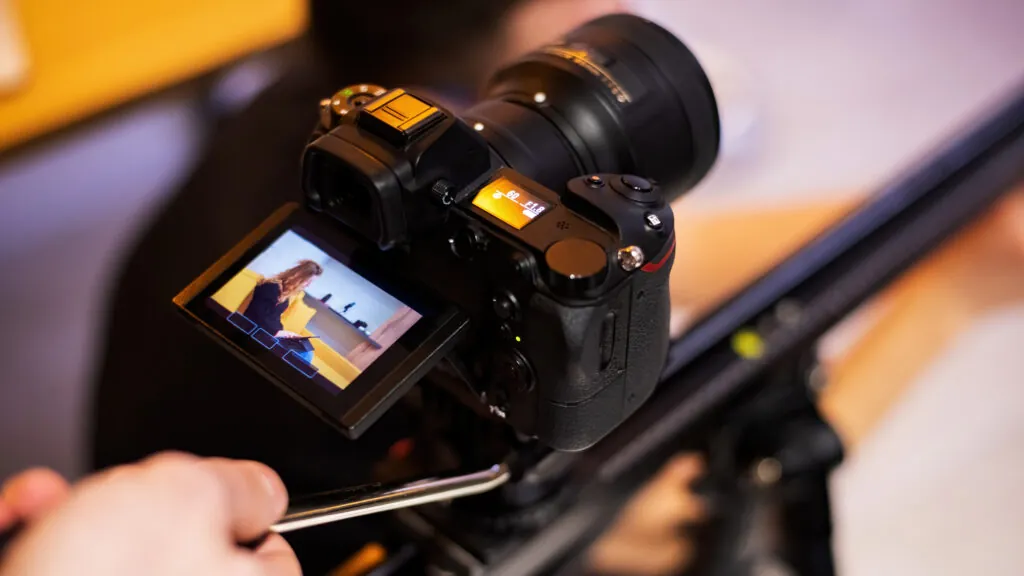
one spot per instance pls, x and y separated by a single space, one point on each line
521 247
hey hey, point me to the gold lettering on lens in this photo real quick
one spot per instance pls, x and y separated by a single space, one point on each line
581 57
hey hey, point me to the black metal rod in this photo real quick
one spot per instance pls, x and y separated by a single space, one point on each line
825 281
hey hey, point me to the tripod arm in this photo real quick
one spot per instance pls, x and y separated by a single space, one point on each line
768 480
809 452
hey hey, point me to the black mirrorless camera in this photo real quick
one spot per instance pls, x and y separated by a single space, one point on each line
521 247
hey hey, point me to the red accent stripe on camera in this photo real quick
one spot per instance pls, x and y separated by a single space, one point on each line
655 266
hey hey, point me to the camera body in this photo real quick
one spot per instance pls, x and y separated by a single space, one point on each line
517 252
566 291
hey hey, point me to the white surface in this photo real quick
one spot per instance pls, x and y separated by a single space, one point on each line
846 92
937 490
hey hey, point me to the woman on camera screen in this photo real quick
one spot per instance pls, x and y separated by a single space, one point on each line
271 297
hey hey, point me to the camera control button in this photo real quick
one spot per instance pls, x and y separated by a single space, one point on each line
467 243
507 333
636 189
653 221
514 370
631 258
340 106
505 306
637 183
575 265
595 181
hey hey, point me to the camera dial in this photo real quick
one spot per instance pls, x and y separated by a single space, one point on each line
340 106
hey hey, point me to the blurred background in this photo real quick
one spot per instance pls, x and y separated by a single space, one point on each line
106 107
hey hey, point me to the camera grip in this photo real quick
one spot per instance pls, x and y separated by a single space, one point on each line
649 330
622 382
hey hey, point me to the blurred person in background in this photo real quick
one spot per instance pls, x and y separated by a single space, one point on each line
89 527
155 510
251 167
172 389
175 390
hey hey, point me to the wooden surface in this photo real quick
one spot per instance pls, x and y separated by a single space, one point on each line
86 57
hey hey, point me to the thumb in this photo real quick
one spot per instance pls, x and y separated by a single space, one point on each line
274 558
256 496
31 494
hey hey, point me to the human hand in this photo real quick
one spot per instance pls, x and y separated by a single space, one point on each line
29 495
647 537
170 514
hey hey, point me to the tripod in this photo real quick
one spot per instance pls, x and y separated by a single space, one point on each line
768 482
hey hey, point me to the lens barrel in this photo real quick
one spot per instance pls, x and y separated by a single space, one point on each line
619 94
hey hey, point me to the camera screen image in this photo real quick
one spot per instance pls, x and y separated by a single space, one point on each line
311 311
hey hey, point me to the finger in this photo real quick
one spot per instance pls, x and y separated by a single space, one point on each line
667 502
1012 214
276 558
681 318
7 516
34 492
256 496
682 470
639 558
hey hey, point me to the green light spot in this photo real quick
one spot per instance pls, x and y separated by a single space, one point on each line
518 339
347 92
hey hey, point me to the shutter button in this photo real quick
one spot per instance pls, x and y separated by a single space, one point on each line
637 183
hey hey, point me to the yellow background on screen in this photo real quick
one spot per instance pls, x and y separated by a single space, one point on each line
331 365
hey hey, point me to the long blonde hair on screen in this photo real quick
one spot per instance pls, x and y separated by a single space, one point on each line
295 279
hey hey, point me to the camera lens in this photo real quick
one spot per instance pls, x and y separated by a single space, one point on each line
620 94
